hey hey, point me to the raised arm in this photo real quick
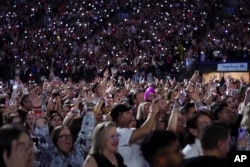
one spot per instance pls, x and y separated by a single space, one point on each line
173 120
84 137
147 127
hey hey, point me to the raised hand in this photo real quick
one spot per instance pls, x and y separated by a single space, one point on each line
19 155
195 76
156 80
106 73
154 107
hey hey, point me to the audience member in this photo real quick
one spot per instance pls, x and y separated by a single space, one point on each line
60 150
130 138
195 126
103 151
215 142
91 55
16 147
26 106
162 149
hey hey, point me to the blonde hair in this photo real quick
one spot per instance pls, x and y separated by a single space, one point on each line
246 117
141 111
100 137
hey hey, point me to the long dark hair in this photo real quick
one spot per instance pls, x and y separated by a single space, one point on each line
192 123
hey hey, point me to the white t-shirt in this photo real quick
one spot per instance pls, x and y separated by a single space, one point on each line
130 152
242 108
192 150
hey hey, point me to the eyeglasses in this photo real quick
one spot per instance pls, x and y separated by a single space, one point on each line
65 137
114 137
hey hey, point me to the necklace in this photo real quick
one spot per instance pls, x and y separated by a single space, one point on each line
112 161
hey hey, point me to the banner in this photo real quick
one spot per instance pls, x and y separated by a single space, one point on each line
232 67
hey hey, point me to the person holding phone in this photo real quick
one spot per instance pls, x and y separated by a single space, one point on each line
130 138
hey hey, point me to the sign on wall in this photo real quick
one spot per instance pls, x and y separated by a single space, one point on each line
232 67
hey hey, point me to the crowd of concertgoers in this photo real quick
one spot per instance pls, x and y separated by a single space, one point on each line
83 83
137 38
69 124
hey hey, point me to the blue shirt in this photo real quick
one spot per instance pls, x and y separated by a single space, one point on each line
52 157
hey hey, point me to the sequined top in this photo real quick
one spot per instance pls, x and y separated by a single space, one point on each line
50 156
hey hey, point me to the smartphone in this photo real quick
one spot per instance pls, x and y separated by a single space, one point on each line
182 97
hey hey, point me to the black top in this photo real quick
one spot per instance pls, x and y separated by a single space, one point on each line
236 126
206 161
234 134
22 114
102 161
1 118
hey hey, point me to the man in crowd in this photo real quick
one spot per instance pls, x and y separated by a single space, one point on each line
162 149
137 98
129 146
26 106
225 115
215 142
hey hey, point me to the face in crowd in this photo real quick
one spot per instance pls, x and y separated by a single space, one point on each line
27 104
226 116
17 120
230 101
30 118
16 146
28 144
138 98
56 120
201 121
62 138
163 106
112 140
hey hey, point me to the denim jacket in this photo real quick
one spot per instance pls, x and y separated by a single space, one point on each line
50 156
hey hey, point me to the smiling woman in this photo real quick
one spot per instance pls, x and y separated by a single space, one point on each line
103 152
60 149
62 138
